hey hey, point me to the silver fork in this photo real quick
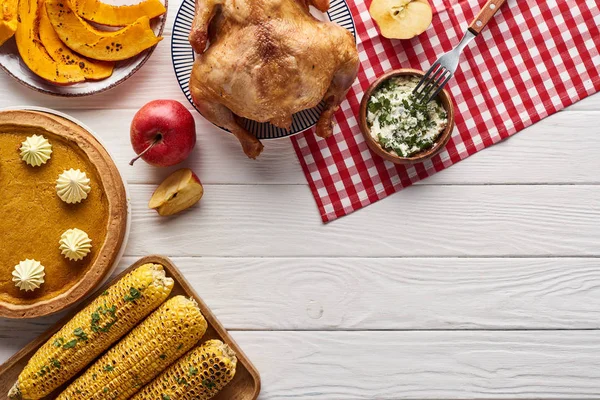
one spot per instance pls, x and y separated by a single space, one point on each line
443 69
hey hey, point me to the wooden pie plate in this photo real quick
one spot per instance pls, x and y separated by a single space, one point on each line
83 276
244 386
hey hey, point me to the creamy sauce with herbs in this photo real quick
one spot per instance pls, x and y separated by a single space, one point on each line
398 123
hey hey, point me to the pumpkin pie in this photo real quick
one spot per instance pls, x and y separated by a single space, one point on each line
34 217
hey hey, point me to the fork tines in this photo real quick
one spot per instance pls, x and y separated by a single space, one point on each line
432 83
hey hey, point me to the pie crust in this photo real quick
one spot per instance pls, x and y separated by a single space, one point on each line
105 213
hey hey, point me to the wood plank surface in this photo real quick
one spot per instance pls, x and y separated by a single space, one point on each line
245 385
426 365
423 365
481 282
280 220
387 293
547 152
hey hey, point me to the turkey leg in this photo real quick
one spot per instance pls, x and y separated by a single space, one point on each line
222 116
205 11
341 83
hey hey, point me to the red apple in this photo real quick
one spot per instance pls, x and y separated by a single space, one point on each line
163 133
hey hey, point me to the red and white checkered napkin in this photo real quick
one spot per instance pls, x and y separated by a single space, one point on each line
533 59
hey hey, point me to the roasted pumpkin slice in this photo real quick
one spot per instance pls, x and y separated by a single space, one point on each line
33 52
91 69
84 39
8 19
106 14
7 30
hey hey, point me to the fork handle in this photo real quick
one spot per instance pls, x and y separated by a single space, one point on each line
485 15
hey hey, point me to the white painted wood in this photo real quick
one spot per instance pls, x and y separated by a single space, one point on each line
281 220
548 152
387 293
358 309
422 365
425 365
559 149
589 103
217 157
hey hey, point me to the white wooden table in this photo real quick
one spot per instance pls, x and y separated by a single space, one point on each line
481 282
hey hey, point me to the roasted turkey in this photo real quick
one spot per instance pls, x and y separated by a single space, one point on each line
265 60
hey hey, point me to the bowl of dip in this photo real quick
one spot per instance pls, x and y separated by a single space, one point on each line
399 129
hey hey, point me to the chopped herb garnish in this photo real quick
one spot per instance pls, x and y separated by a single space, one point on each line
400 123
208 384
105 293
108 368
44 370
193 371
133 295
165 397
181 381
70 344
162 356
81 335
105 390
59 342
97 315
94 376
180 346
55 362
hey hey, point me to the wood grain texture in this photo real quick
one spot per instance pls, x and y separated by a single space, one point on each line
489 9
425 365
245 385
590 103
386 293
547 152
217 157
280 220
532 196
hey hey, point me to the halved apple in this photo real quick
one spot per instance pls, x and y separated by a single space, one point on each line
181 190
401 19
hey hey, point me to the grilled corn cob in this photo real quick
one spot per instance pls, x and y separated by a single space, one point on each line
198 375
163 337
93 330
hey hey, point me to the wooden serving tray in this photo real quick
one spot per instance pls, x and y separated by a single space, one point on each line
244 386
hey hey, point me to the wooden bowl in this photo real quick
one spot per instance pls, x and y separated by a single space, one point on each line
374 145
244 386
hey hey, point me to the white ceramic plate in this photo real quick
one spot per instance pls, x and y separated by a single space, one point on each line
183 61
11 62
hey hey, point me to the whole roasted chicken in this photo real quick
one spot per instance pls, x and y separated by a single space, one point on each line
265 60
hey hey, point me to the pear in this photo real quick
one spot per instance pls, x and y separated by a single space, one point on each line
401 19
179 191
